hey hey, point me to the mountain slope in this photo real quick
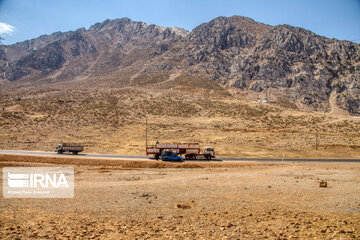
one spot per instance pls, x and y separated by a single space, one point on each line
296 67
295 64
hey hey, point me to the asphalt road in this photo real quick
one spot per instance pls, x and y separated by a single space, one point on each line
20 152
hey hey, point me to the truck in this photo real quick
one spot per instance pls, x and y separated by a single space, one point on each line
190 150
69 147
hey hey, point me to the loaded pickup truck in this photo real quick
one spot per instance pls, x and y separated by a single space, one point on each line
69 147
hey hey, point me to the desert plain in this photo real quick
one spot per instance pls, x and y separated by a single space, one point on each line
149 199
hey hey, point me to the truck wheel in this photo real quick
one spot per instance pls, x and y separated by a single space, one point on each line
157 156
75 153
60 152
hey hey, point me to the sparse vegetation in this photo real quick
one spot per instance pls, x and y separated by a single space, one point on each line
113 121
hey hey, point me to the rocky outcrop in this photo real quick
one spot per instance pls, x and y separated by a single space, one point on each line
47 59
224 33
292 62
236 52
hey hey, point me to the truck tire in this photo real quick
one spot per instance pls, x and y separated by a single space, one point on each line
60 152
157 156
75 153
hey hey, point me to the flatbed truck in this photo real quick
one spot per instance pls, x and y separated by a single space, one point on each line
190 150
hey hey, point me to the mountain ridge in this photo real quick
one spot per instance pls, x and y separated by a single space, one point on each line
245 57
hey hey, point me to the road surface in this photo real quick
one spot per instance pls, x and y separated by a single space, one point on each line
21 152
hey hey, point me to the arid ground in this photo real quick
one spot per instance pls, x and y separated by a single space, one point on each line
147 199
113 121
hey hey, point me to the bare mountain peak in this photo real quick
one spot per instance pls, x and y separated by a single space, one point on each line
235 20
108 23
240 23
126 24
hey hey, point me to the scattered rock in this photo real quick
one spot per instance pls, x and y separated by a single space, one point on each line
322 184
183 206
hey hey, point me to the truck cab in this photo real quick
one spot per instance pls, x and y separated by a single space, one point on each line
59 148
209 152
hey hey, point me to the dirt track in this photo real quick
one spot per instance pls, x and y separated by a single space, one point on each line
130 200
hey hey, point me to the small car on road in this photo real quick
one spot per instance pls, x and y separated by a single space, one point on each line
171 156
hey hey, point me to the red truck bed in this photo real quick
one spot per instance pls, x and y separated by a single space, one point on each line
180 148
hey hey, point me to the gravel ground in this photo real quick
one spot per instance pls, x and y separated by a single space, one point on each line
249 201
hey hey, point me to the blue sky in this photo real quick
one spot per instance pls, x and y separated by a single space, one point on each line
26 19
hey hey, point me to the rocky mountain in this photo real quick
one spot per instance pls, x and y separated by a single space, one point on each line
294 66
